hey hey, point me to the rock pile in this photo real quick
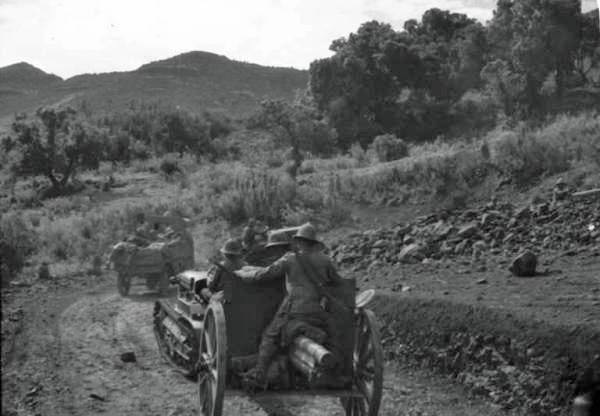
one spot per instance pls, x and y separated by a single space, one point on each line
494 229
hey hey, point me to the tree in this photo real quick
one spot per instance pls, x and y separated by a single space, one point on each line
536 38
54 144
588 53
298 124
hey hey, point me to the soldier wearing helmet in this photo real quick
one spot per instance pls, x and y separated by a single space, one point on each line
307 271
232 260
277 245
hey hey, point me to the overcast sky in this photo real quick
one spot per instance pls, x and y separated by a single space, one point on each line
69 37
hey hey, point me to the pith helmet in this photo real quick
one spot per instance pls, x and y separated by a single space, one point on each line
278 239
307 232
232 247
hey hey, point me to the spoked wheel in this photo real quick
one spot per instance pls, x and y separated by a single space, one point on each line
123 283
367 368
212 362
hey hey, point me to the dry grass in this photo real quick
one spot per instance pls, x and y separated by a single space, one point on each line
447 170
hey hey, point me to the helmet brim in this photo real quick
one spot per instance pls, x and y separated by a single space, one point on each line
299 237
279 243
234 253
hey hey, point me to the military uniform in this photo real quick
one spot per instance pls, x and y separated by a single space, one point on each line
233 261
302 311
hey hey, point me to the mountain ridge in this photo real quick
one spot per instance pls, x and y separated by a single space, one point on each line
197 81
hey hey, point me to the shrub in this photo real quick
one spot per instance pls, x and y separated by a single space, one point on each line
169 166
17 241
388 147
525 157
359 154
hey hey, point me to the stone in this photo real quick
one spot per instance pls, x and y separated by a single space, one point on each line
128 357
461 247
524 264
478 248
411 251
442 230
522 213
44 272
408 239
468 230
380 243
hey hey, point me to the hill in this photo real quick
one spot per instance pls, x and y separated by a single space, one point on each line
196 81
24 77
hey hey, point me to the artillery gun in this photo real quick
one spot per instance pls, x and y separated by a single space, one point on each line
216 339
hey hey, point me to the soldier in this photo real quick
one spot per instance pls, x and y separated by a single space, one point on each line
233 260
278 244
144 233
308 272
248 234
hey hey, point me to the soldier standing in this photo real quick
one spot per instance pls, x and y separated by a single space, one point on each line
233 260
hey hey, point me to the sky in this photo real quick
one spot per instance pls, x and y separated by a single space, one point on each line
69 37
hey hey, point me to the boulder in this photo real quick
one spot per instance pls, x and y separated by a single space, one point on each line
44 272
524 264
414 251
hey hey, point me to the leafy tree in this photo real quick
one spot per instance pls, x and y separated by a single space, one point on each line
297 125
536 38
54 144
588 54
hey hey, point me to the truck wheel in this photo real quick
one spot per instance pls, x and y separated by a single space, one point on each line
123 283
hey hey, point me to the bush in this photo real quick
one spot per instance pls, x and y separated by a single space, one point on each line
17 241
358 153
169 167
525 157
388 147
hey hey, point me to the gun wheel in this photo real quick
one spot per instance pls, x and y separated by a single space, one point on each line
212 362
367 368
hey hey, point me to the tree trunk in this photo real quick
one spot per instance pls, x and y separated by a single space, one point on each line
55 182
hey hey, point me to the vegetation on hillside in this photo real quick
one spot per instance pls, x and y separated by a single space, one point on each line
431 111
450 75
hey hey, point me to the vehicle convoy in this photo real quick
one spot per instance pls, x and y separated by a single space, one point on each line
216 339
170 251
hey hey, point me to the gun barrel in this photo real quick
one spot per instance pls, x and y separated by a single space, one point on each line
307 355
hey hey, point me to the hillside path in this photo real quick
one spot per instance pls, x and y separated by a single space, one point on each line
65 360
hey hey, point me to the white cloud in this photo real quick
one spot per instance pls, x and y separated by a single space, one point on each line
68 37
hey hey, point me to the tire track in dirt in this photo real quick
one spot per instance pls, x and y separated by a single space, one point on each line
95 330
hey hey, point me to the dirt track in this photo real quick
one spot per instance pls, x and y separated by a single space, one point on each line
65 360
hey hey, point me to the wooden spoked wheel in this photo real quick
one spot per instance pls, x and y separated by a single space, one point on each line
123 283
212 361
367 367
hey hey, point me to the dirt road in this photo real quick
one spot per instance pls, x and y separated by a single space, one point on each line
63 358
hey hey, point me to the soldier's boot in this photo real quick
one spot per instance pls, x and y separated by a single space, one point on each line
256 378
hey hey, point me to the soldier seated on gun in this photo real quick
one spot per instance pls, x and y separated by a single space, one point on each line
303 311
232 260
